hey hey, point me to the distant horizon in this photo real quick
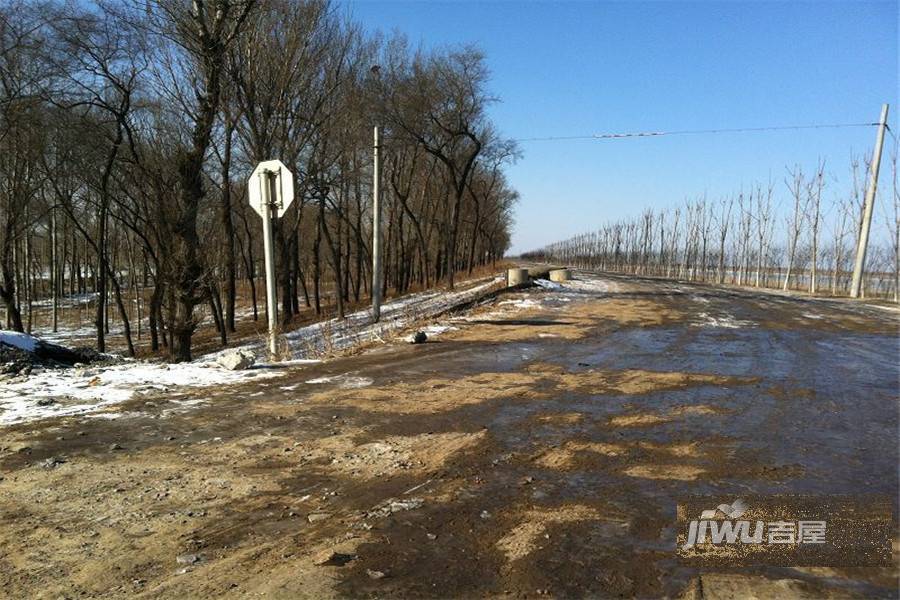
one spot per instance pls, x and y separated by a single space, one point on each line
578 68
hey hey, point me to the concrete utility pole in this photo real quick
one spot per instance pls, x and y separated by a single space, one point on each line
267 182
55 270
376 226
861 248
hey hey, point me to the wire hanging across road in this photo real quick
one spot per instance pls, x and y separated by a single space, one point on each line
609 136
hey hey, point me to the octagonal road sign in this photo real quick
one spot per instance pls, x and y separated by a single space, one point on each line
284 187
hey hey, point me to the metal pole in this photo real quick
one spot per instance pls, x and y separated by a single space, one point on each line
860 265
267 181
54 270
376 227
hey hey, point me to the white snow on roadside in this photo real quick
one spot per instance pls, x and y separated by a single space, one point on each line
552 296
522 303
66 392
438 329
882 307
594 285
112 416
722 321
23 341
334 335
182 406
345 381
813 316
94 390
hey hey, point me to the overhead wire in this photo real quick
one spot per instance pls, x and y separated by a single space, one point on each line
639 134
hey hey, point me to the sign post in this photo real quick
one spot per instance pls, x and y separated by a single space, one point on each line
271 191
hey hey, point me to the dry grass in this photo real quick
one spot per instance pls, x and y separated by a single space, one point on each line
525 538
537 381
648 419
677 472
564 457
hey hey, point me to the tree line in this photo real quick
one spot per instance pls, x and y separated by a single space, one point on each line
789 234
128 130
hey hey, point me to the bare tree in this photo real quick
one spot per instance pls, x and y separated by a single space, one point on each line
797 186
22 81
763 227
813 216
204 33
125 125
723 222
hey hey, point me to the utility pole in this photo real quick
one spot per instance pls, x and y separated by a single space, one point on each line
55 271
376 226
862 246
267 181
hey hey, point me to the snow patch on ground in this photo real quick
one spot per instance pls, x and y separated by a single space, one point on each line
183 406
66 392
721 321
112 416
522 303
326 337
882 307
22 341
437 329
552 296
67 301
345 381
594 285
66 335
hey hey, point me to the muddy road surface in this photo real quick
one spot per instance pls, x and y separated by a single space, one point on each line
537 449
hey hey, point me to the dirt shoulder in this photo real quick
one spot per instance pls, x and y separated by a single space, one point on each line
529 452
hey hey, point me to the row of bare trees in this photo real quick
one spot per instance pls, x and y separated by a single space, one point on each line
787 235
128 130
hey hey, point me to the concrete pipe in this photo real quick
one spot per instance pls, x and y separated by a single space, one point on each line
517 277
560 275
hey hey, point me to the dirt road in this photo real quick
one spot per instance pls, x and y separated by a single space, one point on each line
536 451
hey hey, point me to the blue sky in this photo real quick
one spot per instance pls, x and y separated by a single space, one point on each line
573 68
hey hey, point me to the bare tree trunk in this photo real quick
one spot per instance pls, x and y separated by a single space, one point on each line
335 259
796 187
228 229
123 314
813 215
155 310
317 268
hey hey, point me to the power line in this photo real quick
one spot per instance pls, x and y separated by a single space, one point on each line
634 134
